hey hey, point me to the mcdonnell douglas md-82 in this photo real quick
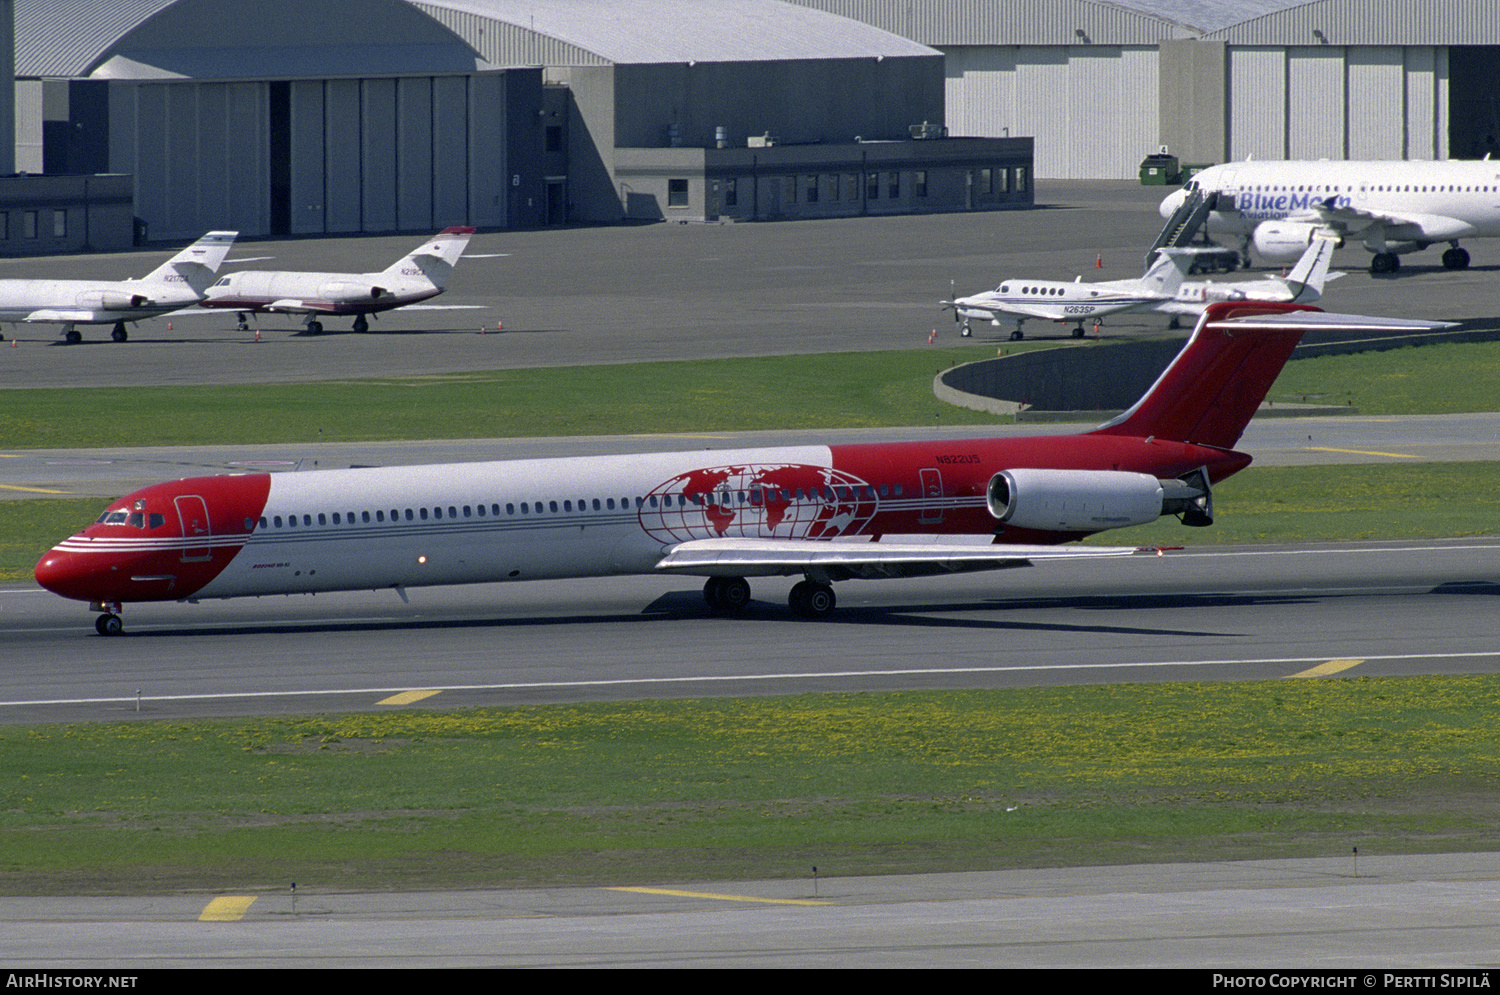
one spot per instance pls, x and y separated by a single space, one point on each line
175 284
415 277
1393 207
826 513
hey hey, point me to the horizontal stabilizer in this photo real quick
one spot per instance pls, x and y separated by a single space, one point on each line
869 560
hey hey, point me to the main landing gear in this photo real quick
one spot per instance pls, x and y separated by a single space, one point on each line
119 334
108 624
1456 258
808 599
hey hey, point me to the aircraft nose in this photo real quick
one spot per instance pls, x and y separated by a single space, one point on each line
1171 202
73 575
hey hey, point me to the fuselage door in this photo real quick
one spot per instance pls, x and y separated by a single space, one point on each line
192 512
932 496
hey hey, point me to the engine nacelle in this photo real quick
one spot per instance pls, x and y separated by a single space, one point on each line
342 290
1285 241
1093 500
111 300
1074 500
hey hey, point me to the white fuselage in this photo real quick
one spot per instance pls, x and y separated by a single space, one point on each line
1412 201
1054 300
325 293
92 301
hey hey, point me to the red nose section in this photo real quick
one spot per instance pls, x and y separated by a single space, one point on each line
74 575
159 544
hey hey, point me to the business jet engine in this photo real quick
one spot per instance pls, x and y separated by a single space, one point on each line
111 300
343 290
1285 241
1093 500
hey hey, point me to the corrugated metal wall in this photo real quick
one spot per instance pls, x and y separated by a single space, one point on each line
372 155
198 152
1092 109
1331 102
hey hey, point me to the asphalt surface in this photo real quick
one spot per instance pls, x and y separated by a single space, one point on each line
664 292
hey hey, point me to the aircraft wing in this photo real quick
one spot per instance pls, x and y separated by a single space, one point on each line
1353 220
976 309
59 314
293 305
837 560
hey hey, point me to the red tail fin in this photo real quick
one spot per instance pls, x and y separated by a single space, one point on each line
1210 391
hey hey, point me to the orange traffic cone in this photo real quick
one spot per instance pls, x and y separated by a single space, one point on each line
1099 261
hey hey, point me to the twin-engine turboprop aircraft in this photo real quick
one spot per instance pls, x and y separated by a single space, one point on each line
415 277
1056 300
826 513
175 284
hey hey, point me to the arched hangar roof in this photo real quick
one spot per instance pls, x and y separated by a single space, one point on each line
224 39
625 32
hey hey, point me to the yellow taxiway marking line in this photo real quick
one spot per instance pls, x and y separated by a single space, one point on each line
227 908
1331 667
30 490
406 697
1358 452
722 898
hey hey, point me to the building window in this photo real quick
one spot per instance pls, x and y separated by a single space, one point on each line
833 187
731 193
554 138
919 183
812 189
872 186
1022 179
1002 177
59 224
789 189
4 224
28 222
893 185
851 186
677 193
986 180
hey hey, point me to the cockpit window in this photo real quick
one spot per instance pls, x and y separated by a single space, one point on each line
115 517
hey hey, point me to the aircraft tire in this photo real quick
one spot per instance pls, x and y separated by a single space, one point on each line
729 595
109 624
315 328
361 325
73 337
1456 258
1385 262
810 599
1017 335
119 334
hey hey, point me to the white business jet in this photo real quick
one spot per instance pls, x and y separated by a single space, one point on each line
178 283
1077 301
1302 285
1392 207
417 276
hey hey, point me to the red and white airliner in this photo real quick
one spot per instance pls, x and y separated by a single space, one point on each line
827 513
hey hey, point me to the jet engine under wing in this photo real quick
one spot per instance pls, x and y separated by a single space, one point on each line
736 557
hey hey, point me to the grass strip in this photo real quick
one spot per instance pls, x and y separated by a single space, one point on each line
755 787
1271 504
775 392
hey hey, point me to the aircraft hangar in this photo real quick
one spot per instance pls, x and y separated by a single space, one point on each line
281 117
1102 84
345 116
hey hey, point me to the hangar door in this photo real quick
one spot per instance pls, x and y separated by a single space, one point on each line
313 156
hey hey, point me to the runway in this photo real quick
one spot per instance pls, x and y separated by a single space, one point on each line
1296 917
1228 613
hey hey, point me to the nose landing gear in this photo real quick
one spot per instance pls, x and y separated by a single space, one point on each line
108 624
